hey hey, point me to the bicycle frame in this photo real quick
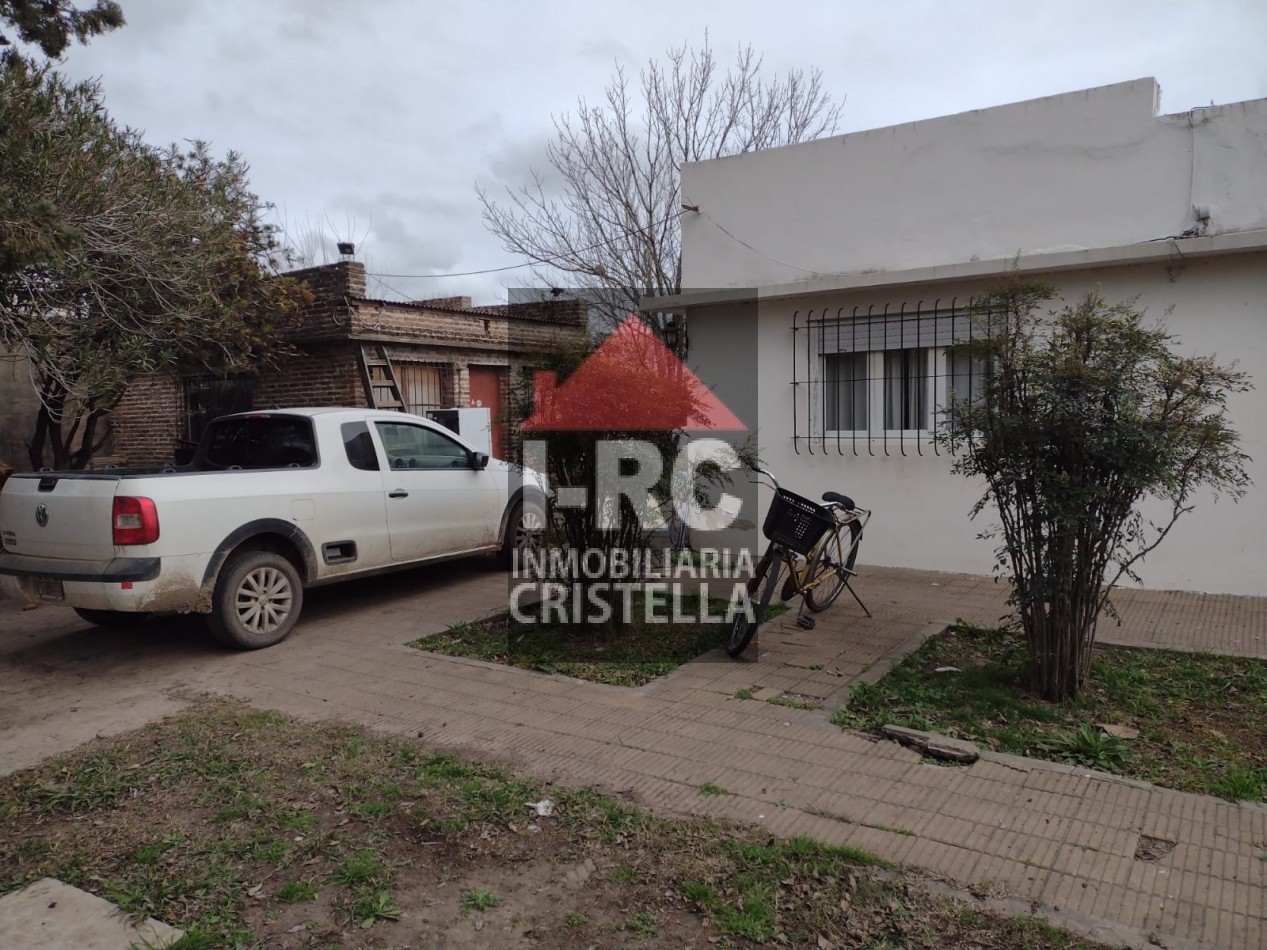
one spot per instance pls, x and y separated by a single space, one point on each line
798 571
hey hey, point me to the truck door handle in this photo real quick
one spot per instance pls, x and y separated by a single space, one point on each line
398 493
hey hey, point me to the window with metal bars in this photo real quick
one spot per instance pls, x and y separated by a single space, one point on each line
208 398
875 382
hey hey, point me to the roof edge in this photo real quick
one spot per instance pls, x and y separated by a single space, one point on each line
1236 242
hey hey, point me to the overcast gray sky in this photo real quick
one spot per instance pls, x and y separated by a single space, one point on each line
379 116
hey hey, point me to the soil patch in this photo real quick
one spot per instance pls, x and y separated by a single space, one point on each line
246 828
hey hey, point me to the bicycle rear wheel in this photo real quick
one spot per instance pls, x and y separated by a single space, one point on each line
831 562
741 629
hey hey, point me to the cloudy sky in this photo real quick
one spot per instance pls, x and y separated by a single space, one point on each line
375 119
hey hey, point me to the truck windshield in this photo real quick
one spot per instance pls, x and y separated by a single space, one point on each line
259 442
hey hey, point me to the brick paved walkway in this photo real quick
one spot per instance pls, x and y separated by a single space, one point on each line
1062 837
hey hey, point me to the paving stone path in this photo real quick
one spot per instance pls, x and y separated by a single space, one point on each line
1183 869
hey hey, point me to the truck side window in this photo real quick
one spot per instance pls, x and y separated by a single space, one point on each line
359 446
413 446
259 442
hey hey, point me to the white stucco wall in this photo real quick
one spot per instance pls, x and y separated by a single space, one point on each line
1216 306
1095 168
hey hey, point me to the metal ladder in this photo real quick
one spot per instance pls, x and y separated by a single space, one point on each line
382 390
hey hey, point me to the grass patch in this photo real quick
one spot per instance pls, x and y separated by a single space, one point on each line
293 892
480 900
644 925
632 655
624 874
711 788
793 703
1199 716
364 867
135 821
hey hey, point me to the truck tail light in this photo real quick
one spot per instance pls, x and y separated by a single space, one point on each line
135 520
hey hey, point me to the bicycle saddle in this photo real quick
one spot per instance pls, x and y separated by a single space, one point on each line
843 500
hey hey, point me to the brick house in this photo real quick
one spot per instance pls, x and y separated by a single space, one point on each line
440 353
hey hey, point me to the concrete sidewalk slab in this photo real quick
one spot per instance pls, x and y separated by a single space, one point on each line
51 915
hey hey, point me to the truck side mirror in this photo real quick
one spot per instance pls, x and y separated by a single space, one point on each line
479 461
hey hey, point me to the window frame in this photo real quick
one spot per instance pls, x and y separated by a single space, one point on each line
938 374
437 432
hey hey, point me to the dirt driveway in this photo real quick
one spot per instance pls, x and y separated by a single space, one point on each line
65 681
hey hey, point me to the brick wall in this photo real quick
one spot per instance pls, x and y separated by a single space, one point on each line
329 331
334 287
149 421
322 375
485 329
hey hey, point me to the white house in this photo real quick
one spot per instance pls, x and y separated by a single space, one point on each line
843 265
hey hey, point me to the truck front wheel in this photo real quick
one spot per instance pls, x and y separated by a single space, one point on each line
257 600
525 529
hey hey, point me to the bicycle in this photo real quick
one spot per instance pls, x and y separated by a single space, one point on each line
799 529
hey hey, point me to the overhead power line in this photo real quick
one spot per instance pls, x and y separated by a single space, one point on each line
541 262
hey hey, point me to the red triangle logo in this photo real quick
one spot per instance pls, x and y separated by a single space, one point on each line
631 383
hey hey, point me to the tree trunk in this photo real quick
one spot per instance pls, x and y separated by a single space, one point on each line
1060 640
89 444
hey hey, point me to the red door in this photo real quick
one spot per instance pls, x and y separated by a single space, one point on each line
486 391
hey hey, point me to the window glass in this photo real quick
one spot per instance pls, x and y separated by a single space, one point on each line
967 376
412 446
845 381
260 442
359 446
906 389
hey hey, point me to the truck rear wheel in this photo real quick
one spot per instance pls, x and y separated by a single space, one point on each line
257 600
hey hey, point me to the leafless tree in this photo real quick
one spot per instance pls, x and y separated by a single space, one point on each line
312 242
610 224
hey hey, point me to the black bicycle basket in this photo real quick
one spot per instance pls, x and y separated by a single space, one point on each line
796 522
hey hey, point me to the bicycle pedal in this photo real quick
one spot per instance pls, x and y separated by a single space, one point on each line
806 623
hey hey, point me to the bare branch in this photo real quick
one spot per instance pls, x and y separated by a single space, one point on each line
615 229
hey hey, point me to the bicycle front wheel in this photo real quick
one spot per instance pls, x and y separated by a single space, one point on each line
742 629
831 562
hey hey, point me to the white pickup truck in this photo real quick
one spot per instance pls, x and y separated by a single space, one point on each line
272 503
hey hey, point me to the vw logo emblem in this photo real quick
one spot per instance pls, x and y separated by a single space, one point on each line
41 515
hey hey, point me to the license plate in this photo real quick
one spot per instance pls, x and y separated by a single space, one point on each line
48 588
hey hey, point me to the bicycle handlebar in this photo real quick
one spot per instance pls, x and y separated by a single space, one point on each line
768 474
831 505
